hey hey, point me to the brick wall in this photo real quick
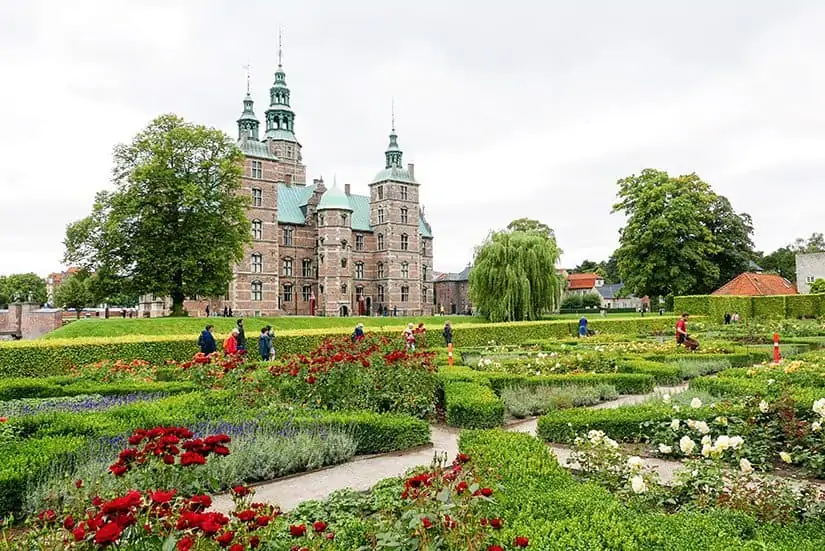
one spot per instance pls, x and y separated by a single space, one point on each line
453 295
29 321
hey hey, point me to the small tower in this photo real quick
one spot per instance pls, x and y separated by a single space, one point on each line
335 267
248 123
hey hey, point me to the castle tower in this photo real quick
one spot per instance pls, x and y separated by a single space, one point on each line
395 218
280 126
248 123
335 266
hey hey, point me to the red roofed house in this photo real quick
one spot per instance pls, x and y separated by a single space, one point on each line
581 284
757 285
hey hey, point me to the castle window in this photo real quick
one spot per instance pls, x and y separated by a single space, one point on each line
343 219
288 237
289 152
424 295
405 293
343 262
380 293
380 270
257 169
257 230
359 242
405 270
257 263
404 216
380 216
288 267
343 288
320 219
380 241
287 293
424 275
403 193
405 242
257 290
359 270
380 190
306 293
306 267
257 197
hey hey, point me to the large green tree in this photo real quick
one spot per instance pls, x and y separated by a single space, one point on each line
514 274
22 288
680 236
175 223
74 292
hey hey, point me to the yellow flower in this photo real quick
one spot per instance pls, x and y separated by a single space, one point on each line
785 456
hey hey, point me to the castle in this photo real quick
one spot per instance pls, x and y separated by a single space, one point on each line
320 250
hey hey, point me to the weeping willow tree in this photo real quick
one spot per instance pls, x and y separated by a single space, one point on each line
514 276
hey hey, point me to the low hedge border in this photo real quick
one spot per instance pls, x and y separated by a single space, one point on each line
737 359
56 356
735 387
664 374
472 405
764 307
53 387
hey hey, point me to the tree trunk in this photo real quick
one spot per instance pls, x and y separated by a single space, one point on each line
177 295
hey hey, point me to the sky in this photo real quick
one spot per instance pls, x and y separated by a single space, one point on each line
508 110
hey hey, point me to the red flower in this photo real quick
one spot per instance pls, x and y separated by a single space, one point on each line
311 379
496 523
169 459
225 538
79 533
221 450
297 530
3 419
47 516
185 543
68 523
108 533
160 497
236 547
426 522
486 492
199 502
330 536
118 469
78 483
462 458
319 526
246 516
461 487
495 548
521 541
192 458
263 520
254 542
240 491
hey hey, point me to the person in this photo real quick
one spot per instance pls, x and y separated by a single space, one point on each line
241 337
358 334
409 337
230 345
271 334
230 312
735 317
727 318
265 344
207 310
681 328
206 341
226 311
583 327
448 334
441 310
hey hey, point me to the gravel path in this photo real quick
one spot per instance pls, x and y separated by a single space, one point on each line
362 474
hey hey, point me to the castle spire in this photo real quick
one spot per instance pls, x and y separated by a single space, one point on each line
280 118
393 152
248 123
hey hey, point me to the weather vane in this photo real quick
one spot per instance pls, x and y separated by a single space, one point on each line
247 68
393 113
280 46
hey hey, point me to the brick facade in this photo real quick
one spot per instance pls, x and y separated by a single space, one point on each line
452 292
29 321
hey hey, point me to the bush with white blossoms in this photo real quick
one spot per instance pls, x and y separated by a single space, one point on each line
599 458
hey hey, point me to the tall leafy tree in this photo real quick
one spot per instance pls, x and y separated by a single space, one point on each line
175 223
783 260
22 288
514 274
818 287
676 235
74 292
531 226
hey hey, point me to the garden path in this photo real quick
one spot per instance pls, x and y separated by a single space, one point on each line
362 474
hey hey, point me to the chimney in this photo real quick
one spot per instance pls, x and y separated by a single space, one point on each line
346 189
411 170
316 181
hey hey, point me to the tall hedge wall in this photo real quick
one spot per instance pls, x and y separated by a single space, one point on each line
56 356
776 307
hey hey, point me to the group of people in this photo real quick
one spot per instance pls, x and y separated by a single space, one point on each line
227 312
731 318
235 343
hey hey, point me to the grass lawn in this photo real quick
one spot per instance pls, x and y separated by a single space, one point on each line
117 327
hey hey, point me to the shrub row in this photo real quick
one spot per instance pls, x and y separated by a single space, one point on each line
51 387
776 307
737 359
543 502
664 374
472 405
625 383
733 387
52 357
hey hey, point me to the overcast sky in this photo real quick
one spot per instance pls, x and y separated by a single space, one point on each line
522 108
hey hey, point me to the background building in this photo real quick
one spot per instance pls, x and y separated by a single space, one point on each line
452 291
809 268
757 284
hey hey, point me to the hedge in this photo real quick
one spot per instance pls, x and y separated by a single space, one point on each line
625 383
718 305
471 405
738 359
769 307
663 374
734 387
803 306
52 387
543 502
52 357
696 305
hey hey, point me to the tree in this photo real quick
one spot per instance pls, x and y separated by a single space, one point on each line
587 266
74 292
175 223
818 287
22 288
675 237
607 269
591 300
514 274
783 260
529 225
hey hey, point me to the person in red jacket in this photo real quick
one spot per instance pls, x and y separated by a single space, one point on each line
230 345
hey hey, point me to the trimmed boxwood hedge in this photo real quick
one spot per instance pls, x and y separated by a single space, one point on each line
803 306
664 374
52 387
53 357
769 307
472 405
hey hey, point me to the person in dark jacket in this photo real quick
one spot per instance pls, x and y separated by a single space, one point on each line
241 337
206 341
448 334
358 334
265 344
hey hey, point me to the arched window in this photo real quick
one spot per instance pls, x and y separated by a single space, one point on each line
288 236
257 263
288 267
380 241
257 230
404 217
359 270
405 242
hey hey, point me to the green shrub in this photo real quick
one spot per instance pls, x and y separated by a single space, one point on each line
373 432
471 405
738 359
51 387
803 306
696 305
625 383
522 402
690 368
719 304
51 357
770 307
663 374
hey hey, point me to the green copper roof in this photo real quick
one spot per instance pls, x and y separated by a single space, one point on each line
334 198
292 201
254 148
396 174
281 134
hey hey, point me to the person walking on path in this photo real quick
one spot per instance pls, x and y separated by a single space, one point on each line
241 337
358 334
583 327
727 318
448 334
265 344
409 337
271 334
682 334
230 345
207 311
206 341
